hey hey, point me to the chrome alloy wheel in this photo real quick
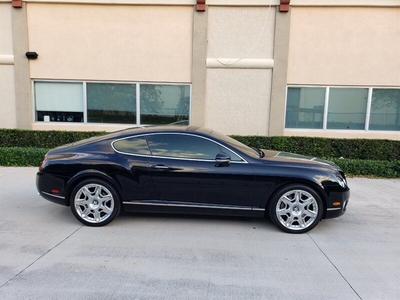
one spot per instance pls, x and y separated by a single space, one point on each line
94 203
296 209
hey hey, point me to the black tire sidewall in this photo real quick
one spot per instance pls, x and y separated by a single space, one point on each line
274 200
117 201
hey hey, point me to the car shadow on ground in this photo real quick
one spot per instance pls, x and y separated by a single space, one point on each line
128 217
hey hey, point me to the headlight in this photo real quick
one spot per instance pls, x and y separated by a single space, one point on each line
342 181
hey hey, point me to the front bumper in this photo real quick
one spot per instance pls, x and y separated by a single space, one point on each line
336 211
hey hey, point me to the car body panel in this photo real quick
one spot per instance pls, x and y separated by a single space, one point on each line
153 183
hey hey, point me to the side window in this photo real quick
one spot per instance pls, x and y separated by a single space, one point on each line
182 146
134 145
233 156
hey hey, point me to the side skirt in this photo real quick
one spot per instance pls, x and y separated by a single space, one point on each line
191 208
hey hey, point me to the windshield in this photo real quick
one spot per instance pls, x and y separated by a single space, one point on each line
236 144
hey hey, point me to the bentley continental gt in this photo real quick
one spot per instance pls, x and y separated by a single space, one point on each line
190 170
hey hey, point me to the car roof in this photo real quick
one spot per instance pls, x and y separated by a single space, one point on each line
162 128
132 132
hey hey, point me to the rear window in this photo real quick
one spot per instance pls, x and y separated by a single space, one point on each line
134 145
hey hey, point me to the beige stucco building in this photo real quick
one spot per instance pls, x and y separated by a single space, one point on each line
251 67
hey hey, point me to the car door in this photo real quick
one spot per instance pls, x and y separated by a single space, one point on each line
137 185
184 170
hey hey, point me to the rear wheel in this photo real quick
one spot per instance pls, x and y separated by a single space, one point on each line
94 202
296 208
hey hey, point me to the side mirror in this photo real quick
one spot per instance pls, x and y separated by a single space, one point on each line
222 159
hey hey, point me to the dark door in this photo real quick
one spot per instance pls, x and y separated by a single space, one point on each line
184 169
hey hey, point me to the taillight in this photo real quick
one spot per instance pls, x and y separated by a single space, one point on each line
41 165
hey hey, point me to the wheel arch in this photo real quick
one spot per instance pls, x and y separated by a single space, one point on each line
311 184
86 174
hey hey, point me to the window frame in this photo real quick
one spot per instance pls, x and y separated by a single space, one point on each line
177 158
326 106
84 97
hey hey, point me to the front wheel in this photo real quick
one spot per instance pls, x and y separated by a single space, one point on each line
94 202
296 208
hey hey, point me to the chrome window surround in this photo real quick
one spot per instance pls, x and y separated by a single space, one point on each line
177 158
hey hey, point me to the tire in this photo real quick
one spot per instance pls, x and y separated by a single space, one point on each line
296 208
95 202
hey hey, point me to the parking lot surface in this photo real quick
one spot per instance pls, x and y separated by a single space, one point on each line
45 253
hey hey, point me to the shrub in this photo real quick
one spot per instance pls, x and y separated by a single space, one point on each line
378 168
18 156
42 139
327 147
361 156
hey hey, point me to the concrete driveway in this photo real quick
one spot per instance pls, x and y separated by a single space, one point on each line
45 253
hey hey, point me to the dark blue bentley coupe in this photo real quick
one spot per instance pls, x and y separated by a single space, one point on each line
190 170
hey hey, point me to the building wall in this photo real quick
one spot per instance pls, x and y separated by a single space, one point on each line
239 55
8 115
347 47
344 46
102 42
120 43
237 92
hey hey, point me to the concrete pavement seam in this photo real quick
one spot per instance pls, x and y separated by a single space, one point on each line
334 266
23 270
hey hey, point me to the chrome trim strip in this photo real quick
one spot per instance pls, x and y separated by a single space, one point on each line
52 195
188 205
209 206
258 209
144 203
336 208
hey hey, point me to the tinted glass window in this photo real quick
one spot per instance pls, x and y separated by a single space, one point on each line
235 144
136 145
385 110
111 103
305 107
182 146
233 156
164 104
347 108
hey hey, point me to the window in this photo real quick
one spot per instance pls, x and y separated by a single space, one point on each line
233 156
343 108
305 107
109 102
347 108
182 146
59 102
164 104
385 110
135 145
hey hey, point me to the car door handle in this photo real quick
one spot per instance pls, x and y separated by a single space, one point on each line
160 167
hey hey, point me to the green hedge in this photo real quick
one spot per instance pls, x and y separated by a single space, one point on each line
355 156
376 168
18 156
42 139
321 147
327 147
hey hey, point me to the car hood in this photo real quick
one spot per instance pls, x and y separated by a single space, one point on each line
278 156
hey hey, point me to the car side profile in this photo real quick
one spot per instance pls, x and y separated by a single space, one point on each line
190 170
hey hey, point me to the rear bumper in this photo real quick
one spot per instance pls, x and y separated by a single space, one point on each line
51 188
337 211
